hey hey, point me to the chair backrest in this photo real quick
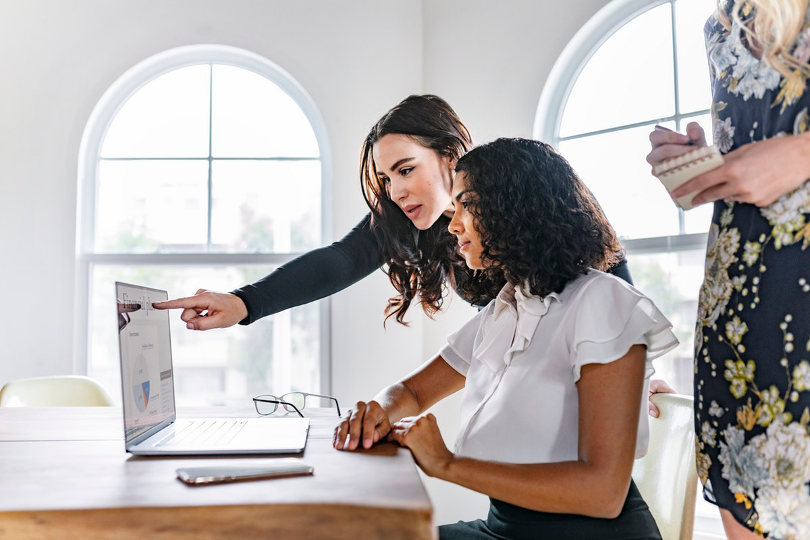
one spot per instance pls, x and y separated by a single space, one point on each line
57 391
666 476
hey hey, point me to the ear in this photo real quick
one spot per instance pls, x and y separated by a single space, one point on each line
451 162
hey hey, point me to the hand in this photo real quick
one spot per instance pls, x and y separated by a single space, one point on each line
207 309
668 144
367 421
756 173
658 386
421 435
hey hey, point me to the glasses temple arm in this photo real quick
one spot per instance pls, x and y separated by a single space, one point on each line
337 405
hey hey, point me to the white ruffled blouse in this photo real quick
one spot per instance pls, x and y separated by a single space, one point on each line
522 355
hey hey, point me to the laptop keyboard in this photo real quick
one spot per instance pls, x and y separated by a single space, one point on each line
204 433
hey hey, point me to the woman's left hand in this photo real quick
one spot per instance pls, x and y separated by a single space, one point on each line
757 173
421 435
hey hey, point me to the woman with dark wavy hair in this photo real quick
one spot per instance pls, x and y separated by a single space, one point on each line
553 388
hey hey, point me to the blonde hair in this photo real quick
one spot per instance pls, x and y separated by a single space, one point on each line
774 27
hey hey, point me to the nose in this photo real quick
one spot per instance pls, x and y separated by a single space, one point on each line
455 225
397 189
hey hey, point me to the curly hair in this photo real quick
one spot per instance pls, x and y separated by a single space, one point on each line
426 266
539 224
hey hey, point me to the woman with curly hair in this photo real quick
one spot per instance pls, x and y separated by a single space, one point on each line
554 389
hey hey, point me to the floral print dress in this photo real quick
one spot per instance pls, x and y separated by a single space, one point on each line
752 342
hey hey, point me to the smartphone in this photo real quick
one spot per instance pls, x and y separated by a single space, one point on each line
219 474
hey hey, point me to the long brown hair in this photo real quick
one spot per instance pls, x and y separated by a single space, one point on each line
414 267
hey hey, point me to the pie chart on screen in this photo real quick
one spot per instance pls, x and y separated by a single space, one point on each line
140 383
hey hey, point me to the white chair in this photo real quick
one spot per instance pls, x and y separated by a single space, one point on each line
666 476
57 391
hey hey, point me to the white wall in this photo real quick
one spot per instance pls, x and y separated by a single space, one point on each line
355 58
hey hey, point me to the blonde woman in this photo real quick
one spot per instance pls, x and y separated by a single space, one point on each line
752 343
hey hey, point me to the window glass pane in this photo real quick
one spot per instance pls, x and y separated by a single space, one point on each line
629 78
698 219
151 206
672 281
168 117
253 117
275 355
613 166
266 206
693 67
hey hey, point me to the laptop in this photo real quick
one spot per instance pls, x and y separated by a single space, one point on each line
151 426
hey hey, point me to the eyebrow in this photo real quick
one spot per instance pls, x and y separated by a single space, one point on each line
398 163
458 197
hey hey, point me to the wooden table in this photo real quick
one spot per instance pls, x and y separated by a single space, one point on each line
64 474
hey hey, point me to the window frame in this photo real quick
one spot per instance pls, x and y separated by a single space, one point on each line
88 159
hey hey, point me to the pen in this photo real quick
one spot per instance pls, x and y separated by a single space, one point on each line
659 127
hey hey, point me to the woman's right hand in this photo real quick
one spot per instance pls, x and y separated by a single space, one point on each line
367 422
669 144
208 309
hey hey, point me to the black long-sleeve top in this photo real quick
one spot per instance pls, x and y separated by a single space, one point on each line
325 271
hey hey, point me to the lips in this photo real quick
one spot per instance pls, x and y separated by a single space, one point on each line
463 245
412 210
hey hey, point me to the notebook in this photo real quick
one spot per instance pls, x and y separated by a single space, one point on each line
151 426
676 171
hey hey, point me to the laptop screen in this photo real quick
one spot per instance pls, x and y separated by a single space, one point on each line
144 345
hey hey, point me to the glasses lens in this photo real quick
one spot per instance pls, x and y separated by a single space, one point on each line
265 407
296 398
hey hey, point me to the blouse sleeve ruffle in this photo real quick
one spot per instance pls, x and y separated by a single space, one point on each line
458 352
455 360
613 316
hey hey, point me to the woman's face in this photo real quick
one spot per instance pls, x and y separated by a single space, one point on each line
469 241
418 179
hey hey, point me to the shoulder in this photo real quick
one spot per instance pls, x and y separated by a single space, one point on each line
713 29
599 287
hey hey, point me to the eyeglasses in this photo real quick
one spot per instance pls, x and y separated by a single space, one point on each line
291 401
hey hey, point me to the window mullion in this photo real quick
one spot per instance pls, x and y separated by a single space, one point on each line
675 81
210 160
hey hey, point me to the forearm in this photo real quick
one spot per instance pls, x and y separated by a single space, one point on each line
314 275
417 392
571 487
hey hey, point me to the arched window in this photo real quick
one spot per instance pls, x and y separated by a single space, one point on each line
636 64
203 167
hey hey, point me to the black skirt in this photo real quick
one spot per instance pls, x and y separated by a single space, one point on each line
507 521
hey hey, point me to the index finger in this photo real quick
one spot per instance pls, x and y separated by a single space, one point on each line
661 136
188 302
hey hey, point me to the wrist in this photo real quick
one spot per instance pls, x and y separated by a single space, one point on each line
448 470
240 306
